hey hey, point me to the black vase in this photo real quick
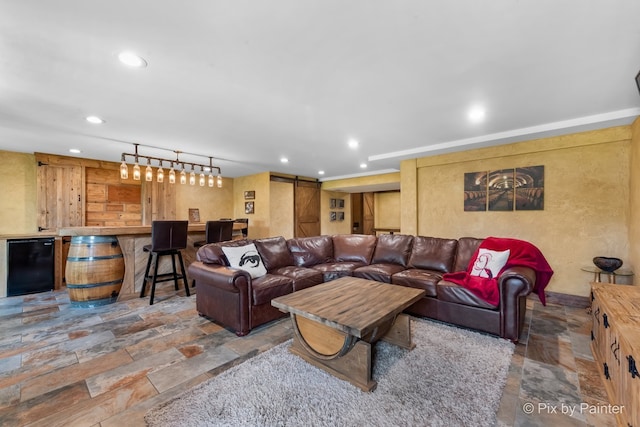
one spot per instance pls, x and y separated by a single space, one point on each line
607 264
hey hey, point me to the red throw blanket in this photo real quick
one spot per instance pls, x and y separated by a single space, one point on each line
522 254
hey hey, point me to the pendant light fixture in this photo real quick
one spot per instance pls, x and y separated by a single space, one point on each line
210 179
172 175
160 173
124 169
192 177
148 173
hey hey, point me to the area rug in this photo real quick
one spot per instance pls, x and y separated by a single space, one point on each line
452 377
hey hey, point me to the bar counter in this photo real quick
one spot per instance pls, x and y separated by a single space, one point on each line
131 240
119 231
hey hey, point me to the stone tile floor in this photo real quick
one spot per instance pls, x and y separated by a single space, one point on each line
107 366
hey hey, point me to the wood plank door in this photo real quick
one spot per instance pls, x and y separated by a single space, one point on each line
356 213
59 196
368 213
158 201
307 208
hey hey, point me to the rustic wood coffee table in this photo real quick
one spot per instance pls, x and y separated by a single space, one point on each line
336 323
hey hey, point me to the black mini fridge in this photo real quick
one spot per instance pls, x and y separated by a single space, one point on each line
30 266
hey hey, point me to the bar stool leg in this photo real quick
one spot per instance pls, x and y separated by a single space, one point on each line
146 275
184 275
175 272
155 278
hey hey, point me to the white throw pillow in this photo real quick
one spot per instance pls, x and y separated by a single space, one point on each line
488 263
246 258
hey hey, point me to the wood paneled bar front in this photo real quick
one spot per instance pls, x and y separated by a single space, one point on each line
131 240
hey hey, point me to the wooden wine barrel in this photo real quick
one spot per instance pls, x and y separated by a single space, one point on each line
95 270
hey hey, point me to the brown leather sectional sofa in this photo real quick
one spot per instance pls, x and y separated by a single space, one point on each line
232 298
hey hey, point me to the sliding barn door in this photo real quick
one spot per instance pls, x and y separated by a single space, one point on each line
307 208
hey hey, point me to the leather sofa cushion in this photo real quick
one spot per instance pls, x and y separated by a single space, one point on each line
274 252
334 270
303 277
353 247
419 279
270 286
467 246
450 292
309 251
433 253
381 272
392 249
212 253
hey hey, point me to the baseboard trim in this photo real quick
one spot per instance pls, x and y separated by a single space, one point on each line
567 300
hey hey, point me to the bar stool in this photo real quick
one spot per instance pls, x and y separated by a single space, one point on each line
167 238
245 229
216 231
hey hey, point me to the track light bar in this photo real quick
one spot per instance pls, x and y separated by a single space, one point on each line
124 169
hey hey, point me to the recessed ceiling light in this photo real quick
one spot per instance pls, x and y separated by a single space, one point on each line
363 165
95 120
320 172
132 60
476 114
74 151
353 144
284 160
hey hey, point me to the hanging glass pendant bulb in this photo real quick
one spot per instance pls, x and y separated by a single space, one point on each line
148 173
210 180
160 173
202 177
192 177
136 171
124 170
183 176
219 181
172 175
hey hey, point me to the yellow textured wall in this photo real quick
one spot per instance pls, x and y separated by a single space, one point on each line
18 184
212 202
259 221
409 197
634 197
387 209
281 207
387 178
334 227
585 204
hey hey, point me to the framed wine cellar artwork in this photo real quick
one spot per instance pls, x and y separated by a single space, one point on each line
520 189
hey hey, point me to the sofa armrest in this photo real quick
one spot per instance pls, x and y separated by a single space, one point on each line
522 279
222 277
515 284
223 294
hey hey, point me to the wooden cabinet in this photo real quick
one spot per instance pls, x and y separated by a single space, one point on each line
616 346
60 200
75 192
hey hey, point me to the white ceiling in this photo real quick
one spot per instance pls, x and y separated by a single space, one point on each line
251 81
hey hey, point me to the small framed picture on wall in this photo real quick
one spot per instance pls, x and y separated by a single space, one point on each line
248 207
194 215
